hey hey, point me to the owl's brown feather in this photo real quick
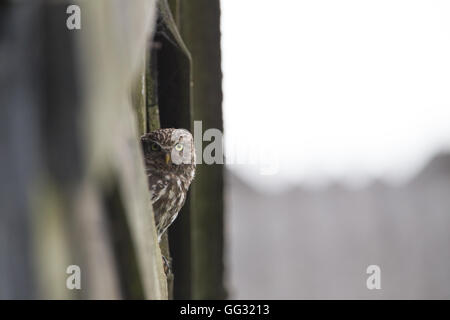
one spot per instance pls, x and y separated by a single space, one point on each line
168 181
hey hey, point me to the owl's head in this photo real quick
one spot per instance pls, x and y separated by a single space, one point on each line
169 150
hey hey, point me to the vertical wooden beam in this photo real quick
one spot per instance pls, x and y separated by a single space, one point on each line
200 29
78 192
154 123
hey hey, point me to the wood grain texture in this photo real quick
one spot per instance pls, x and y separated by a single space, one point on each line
71 125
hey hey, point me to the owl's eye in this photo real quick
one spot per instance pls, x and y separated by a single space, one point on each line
155 147
178 147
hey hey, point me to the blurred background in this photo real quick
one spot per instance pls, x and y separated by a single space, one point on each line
337 128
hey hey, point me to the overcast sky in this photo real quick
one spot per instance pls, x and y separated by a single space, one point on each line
335 89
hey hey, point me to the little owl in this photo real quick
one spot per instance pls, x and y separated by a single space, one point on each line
170 164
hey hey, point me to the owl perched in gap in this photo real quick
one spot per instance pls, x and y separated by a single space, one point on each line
170 165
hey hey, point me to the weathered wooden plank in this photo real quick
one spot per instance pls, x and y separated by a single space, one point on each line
200 29
72 134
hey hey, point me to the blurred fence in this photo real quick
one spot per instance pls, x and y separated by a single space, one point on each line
317 243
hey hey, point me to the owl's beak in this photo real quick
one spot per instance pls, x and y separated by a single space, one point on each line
167 158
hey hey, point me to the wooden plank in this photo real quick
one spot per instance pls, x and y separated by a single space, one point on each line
200 28
82 195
